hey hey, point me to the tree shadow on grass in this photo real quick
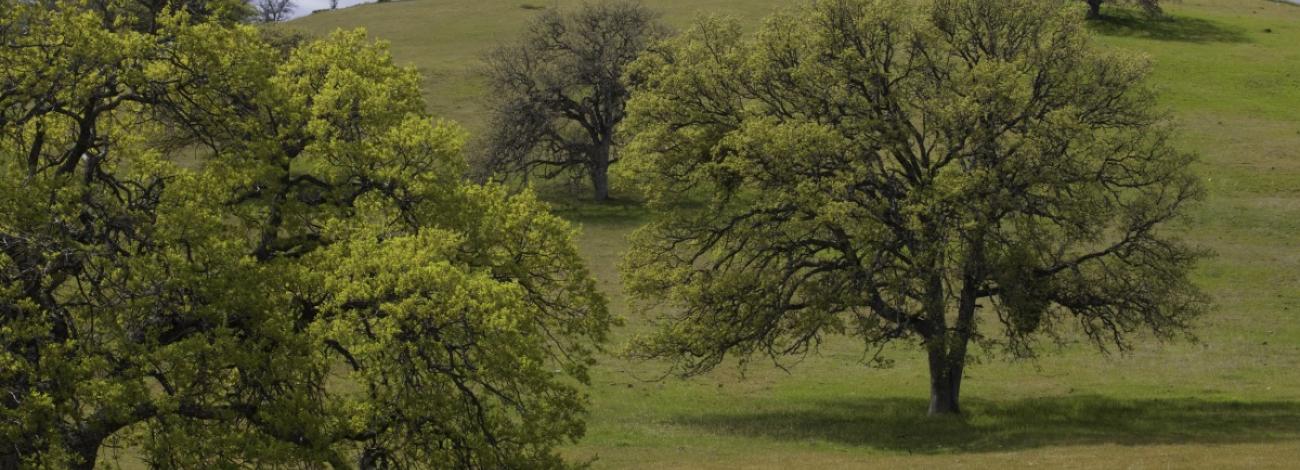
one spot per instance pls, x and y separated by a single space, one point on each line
900 424
612 212
1128 23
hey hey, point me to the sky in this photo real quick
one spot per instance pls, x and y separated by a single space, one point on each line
307 6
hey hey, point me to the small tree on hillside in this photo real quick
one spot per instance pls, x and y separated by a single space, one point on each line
271 11
557 94
1150 6
971 172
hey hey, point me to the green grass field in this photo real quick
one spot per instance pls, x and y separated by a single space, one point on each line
1228 70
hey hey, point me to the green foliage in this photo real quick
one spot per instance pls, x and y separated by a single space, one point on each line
226 253
886 171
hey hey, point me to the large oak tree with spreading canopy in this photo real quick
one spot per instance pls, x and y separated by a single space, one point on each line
963 172
222 253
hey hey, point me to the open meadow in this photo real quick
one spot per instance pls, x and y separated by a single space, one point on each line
1228 70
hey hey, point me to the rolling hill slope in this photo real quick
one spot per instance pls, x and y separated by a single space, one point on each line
1229 71
446 38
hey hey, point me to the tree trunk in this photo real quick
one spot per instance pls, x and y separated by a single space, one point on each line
945 381
1094 9
947 347
599 166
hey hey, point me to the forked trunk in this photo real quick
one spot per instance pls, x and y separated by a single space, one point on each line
945 382
945 344
947 349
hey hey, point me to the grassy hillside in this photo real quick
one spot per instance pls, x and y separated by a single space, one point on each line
446 38
1229 71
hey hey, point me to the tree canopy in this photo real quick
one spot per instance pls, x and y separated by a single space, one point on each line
217 252
271 11
967 171
557 95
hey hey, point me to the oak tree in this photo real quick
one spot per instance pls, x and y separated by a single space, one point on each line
221 253
557 95
271 11
966 172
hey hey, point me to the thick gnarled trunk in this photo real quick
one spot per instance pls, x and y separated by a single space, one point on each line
947 346
945 381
